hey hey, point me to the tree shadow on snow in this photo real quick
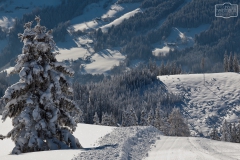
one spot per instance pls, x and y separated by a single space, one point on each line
104 53
101 147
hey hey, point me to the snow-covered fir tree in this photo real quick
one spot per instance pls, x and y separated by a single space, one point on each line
165 128
225 132
158 122
105 119
178 127
150 118
230 63
233 132
238 133
129 117
225 62
108 120
96 119
235 64
214 134
143 118
38 104
112 120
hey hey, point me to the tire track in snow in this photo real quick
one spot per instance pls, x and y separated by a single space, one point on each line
206 147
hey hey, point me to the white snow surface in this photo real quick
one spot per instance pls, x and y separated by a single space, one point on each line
104 61
138 142
8 70
206 105
181 37
120 19
123 143
88 20
88 136
192 148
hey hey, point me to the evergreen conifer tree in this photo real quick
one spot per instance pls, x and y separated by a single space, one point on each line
38 104
105 119
225 62
235 64
225 132
150 118
112 120
129 117
238 133
214 134
230 63
158 122
143 119
178 127
95 119
233 133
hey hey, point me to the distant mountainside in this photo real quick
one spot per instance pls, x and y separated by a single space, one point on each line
97 33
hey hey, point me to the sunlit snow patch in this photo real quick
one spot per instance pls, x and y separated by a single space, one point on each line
96 16
120 19
8 70
161 52
179 38
104 61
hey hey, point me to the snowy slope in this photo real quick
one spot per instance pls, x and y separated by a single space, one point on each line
207 105
95 15
120 19
180 38
191 148
139 142
103 61
88 136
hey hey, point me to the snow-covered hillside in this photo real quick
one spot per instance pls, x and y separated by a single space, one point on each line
179 38
207 105
94 17
88 136
103 142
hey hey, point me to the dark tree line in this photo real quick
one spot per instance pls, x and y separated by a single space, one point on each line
139 88
128 1
231 63
229 132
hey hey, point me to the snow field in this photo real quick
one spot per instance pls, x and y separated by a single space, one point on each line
207 105
103 61
115 14
88 135
181 37
192 148
120 19
123 143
